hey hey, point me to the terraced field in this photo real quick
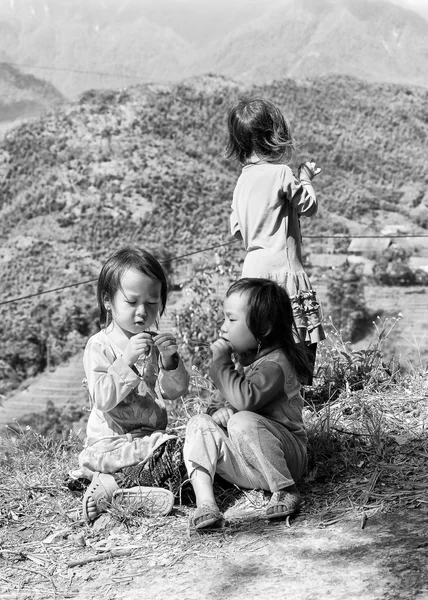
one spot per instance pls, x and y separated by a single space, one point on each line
59 386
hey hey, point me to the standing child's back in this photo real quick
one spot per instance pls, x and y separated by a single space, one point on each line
268 202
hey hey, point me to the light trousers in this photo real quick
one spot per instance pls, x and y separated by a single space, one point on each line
255 452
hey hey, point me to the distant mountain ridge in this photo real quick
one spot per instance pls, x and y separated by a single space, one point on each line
107 44
23 96
373 40
83 42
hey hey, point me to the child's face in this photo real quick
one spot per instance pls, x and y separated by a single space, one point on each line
135 307
235 329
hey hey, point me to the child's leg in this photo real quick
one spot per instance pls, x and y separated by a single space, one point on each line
207 450
274 456
202 486
311 353
257 454
111 454
98 495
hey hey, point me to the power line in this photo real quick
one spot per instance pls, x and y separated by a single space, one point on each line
63 287
70 285
79 71
193 253
356 237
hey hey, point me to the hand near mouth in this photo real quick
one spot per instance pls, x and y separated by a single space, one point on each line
221 347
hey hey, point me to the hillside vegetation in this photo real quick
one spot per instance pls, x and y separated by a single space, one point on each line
23 95
145 165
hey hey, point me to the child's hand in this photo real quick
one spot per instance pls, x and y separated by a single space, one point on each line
168 348
138 345
308 170
221 348
222 415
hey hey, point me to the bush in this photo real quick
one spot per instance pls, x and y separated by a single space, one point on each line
346 298
198 323
339 368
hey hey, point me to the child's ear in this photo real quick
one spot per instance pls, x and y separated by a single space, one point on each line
267 331
106 302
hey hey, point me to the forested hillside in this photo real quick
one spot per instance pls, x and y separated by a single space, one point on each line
23 95
145 165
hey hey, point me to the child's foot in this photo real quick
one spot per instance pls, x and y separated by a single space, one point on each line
282 504
206 514
98 495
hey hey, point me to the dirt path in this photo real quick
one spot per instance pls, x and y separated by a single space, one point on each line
386 560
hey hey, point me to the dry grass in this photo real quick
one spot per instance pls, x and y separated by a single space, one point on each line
368 453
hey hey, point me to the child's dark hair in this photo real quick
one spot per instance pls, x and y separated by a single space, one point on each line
270 320
257 125
109 280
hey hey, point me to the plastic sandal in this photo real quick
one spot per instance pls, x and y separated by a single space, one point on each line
286 502
150 500
205 515
100 490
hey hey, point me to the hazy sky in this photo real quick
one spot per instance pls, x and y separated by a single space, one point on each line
207 20
420 6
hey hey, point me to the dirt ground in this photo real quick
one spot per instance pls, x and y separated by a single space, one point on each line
386 559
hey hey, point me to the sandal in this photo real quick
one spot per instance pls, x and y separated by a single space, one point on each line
205 515
150 500
286 503
100 490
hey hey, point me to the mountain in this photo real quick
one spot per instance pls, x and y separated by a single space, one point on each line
203 21
82 44
24 96
370 39
145 166
85 44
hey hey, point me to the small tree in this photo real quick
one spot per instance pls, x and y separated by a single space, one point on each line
198 323
392 267
346 298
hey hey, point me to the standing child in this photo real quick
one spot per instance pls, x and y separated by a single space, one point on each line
267 204
129 370
253 435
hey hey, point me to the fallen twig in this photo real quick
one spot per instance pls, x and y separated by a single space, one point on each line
104 556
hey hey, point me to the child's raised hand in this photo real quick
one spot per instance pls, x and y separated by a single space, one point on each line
168 348
222 416
221 348
137 345
308 170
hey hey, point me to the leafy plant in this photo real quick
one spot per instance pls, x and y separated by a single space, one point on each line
345 292
340 368
199 321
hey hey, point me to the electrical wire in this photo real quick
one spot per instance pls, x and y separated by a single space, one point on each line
195 252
